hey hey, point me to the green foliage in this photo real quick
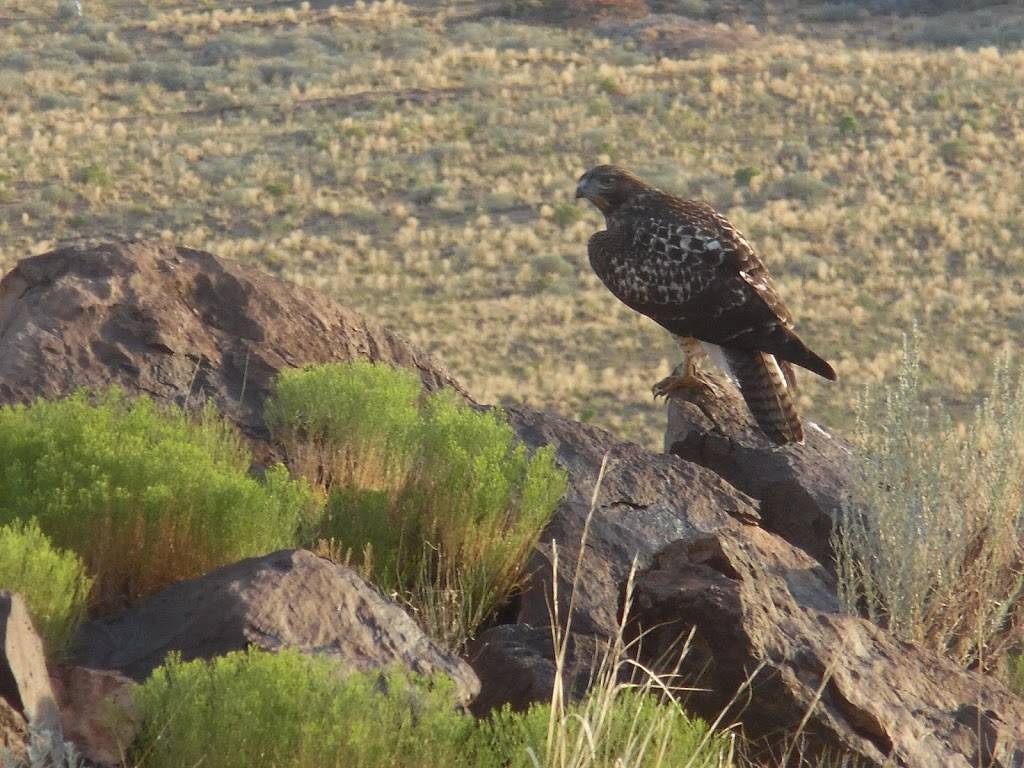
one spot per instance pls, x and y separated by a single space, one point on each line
955 152
743 176
144 495
94 174
634 729
848 125
933 553
254 708
292 711
434 500
1016 680
567 214
53 582
346 425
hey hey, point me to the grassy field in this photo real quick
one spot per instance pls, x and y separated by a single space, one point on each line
420 164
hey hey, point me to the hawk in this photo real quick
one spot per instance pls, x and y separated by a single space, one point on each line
682 264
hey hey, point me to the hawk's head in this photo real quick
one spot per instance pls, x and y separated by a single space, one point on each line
608 187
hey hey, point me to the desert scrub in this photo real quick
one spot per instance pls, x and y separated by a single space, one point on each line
53 582
292 711
931 548
435 501
146 496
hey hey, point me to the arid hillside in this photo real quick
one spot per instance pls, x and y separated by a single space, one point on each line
419 161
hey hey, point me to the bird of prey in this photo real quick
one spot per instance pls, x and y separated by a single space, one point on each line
682 264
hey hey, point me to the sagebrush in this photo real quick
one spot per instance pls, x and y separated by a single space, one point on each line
145 495
929 544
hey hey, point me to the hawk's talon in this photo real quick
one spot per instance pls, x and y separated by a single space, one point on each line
693 379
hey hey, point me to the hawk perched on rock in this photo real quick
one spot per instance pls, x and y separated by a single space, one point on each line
680 263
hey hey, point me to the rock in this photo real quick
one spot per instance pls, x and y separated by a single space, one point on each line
516 666
288 599
24 681
757 603
645 501
98 712
177 324
13 733
800 488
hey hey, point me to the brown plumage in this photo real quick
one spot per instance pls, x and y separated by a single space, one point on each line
682 264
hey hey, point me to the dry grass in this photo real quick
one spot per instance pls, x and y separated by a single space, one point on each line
422 168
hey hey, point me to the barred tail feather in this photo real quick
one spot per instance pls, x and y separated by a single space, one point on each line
768 394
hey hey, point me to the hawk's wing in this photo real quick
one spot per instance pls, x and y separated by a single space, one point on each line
684 265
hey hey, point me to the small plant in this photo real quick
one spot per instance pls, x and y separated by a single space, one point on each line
94 174
144 496
567 214
1016 678
436 501
293 711
934 553
955 152
847 124
743 176
53 582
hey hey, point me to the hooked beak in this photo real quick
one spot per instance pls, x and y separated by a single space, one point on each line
581 187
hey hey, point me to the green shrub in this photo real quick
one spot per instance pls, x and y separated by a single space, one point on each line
94 174
435 500
288 710
1016 676
145 496
933 553
53 582
346 425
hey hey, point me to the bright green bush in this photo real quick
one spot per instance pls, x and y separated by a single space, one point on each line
53 582
346 425
287 710
435 500
146 496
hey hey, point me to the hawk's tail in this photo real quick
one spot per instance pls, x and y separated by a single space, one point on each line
768 391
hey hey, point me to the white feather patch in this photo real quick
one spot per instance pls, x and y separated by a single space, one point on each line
717 356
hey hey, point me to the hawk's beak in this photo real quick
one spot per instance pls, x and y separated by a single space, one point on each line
580 189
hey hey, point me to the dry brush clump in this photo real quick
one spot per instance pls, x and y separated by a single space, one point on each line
933 550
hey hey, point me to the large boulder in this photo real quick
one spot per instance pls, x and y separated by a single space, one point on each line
765 621
641 502
177 324
288 599
801 488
